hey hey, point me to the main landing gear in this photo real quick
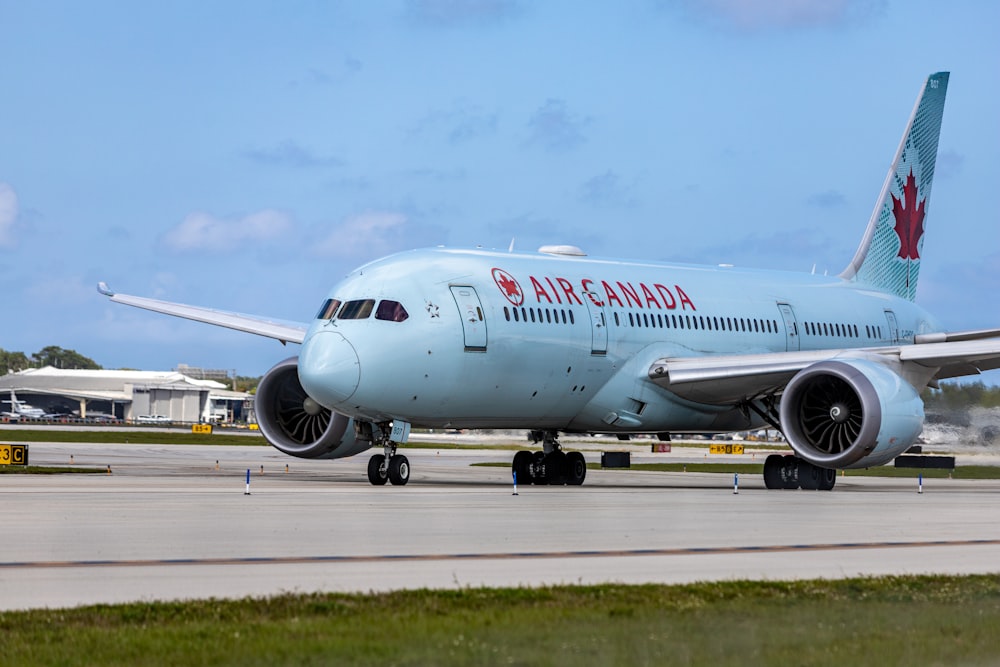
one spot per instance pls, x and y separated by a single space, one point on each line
551 465
388 466
791 472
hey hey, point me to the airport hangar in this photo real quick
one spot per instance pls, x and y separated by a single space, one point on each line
127 394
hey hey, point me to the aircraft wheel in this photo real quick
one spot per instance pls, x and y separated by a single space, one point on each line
522 466
789 472
377 473
772 472
808 476
827 479
399 470
576 468
555 467
540 471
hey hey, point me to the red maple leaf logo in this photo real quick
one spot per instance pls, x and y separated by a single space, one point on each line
909 219
509 286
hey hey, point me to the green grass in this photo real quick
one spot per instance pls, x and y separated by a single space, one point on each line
877 621
960 472
143 437
47 470
135 437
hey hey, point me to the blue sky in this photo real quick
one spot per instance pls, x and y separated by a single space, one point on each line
248 155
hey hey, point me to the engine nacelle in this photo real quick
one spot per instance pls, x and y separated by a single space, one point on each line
850 413
296 424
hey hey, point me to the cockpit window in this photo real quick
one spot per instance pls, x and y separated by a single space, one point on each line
391 311
328 309
357 310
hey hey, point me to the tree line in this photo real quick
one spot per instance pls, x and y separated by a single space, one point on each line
955 396
51 355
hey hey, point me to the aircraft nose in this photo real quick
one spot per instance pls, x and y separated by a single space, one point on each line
329 369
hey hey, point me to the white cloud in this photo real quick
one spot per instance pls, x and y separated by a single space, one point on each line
554 127
8 214
461 12
754 15
204 232
362 237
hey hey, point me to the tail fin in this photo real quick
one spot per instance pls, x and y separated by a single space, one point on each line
889 255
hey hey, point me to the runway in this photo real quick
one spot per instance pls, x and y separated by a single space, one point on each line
166 524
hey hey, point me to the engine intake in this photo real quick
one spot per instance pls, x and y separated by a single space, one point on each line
296 424
850 413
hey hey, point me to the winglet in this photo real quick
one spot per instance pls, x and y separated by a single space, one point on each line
103 288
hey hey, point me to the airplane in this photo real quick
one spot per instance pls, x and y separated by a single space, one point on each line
557 341
20 409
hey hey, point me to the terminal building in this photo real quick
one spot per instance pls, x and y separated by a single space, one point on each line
125 395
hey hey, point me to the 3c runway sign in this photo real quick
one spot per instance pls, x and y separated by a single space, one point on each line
13 455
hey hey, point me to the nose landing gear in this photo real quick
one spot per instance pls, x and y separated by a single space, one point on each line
388 466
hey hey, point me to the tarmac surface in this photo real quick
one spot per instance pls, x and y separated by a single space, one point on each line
167 524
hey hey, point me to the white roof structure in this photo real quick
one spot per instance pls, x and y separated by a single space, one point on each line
144 390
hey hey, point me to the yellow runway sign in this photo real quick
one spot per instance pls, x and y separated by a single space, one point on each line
725 449
13 455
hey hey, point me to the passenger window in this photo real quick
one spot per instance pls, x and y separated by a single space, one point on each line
328 310
357 310
391 311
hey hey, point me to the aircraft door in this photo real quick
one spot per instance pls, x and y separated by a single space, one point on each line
470 309
598 325
890 317
791 327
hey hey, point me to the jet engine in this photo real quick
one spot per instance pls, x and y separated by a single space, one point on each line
850 413
296 424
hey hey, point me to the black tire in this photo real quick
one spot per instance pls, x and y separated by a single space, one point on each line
772 472
556 467
399 470
521 466
538 458
789 472
827 479
377 473
576 468
808 476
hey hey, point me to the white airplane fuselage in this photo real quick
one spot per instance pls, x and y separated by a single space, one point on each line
495 339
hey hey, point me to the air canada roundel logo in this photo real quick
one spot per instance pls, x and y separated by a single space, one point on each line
510 288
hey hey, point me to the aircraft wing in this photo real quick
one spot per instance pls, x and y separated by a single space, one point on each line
729 379
286 332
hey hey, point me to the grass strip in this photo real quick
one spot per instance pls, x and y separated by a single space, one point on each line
960 472
133 437
48 470
872 621
141 437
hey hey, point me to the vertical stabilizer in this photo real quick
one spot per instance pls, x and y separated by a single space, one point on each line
889 255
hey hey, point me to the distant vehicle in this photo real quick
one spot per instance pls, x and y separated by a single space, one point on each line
103 419
153 419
